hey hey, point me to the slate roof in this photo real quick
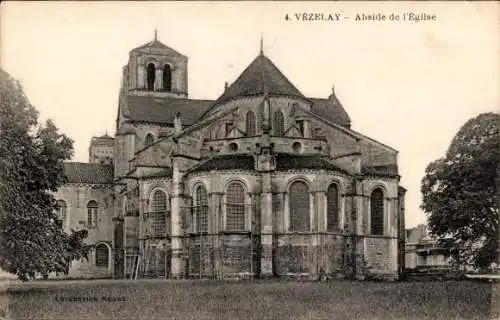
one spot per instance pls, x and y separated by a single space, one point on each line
158 45
167 172
330 109
105 140
259 77
227 162
162 110
283 162
390 170
290 162
92 173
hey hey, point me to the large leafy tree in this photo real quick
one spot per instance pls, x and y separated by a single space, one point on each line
32 242
460 192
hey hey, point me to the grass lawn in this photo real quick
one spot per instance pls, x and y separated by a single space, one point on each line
258 299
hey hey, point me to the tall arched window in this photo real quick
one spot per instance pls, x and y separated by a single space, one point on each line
101 255
299 207
61 212
332 213
200 210
149 140
250 124
158 214
167 78
235 207
279 123
92 208
151 76
377 212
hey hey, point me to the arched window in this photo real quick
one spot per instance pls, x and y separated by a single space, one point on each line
92 208
151 76
332 208
158 214
167 78
149 140
235 207
61 212
200 210
279 123
377 212
101 255
250 124
299 207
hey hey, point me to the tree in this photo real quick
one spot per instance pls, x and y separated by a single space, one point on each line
31 168
460 192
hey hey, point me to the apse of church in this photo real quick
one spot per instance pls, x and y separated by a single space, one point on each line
261 182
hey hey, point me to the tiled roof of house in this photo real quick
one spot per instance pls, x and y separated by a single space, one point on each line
291 162
227 162
331 109
163 110
260 77
92 173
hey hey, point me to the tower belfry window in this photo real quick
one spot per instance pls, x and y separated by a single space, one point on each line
167 78
151 77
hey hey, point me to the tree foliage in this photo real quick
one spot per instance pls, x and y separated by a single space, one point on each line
460 192
31 168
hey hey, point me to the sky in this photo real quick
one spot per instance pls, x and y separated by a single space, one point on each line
408 84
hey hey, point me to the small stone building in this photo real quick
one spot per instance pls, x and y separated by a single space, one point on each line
263 181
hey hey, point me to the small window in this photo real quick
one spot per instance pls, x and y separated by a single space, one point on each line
92 208
297 147
167 78
200 210
149 140
279 123
61 212
299 207
158 214
377 212
250 122
332 214
101 255
233 147
235 207
229 126
300 125
151 77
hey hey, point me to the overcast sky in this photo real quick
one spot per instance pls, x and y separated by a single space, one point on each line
410 85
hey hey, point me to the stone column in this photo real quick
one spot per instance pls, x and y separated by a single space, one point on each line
176 229
266 226
158 79
359 214
141 77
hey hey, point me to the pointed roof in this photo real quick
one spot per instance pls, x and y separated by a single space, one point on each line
261 76
156 44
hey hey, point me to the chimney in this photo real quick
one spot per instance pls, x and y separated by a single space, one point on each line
226 85
177 123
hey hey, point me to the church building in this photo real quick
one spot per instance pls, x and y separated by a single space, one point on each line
261 182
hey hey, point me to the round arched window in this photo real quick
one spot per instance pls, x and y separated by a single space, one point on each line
233 147
297 147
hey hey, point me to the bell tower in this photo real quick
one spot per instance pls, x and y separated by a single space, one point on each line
156 70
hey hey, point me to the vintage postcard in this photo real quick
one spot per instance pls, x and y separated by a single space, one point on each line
249 160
